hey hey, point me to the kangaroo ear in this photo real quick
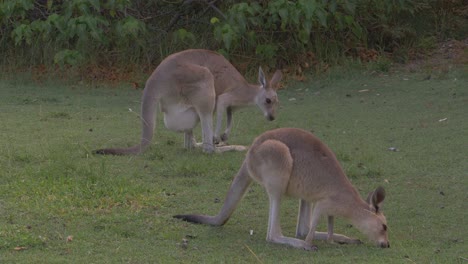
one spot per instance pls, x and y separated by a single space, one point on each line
261 77
274 83
375 199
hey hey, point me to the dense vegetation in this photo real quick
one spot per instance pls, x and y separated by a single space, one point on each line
135 32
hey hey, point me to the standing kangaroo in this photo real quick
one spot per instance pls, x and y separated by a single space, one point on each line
293 162
189 86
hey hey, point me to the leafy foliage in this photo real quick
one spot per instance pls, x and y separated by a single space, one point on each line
281 26
75 30
328 28
279 31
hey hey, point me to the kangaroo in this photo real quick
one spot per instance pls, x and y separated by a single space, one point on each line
293 162
189 86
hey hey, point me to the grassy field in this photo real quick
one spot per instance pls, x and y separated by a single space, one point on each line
61 204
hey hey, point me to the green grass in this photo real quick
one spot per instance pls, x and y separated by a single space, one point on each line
118 209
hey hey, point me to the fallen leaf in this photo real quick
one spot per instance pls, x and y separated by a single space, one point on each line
20 248
184 243
135 85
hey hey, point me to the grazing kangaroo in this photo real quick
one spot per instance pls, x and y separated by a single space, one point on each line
293 162
188 86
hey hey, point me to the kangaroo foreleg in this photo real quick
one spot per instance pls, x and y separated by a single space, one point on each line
316 213
189 140
225 135
303 219
330 225
329 235
221 107
336 238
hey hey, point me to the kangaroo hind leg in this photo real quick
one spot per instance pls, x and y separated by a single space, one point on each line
271 165
203 99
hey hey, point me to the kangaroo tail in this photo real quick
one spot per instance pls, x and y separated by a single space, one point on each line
149 105
237 190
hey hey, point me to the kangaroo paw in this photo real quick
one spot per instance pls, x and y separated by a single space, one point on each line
311 248
222 148
352 241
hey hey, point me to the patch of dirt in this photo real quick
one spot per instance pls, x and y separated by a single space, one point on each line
447 55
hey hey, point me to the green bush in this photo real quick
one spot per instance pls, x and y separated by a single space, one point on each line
74 31
123 32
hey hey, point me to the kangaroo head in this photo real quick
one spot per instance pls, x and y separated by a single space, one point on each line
267 99
375 226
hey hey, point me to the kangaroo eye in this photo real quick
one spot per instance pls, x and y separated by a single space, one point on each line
268 101
384 227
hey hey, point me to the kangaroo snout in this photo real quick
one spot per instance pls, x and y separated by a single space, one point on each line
384 244
270 117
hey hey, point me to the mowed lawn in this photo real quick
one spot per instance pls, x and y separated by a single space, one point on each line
59 203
